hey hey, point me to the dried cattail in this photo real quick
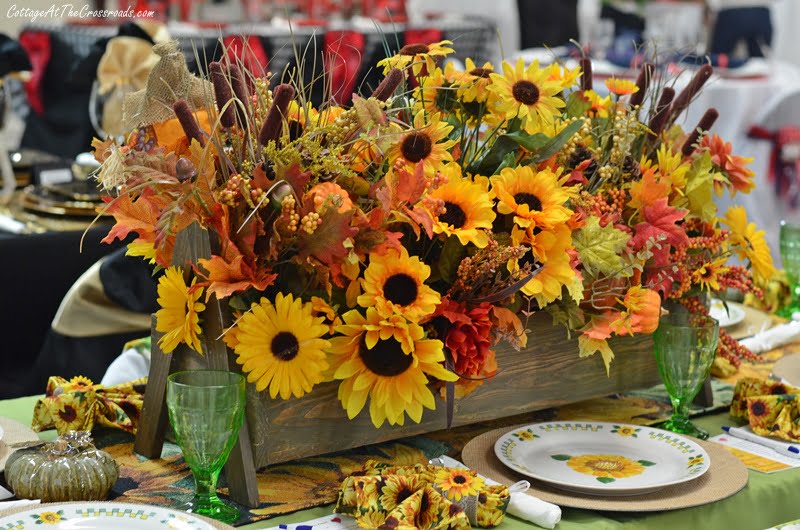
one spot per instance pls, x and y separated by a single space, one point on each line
703 126
186 118
273 123
643 82
389 84
222 93
659 120
691 90
239 84
586 75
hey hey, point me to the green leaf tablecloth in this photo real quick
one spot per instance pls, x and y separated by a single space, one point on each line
768 500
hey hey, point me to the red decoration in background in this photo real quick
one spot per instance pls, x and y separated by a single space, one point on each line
384 10
784 164
343 54
37 46
422 35
249 51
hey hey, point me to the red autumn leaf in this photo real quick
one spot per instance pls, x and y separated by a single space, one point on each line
660 225
223 278
297 178
326 243
140 216
400 187
260 178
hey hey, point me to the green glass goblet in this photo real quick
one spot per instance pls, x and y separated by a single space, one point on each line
206 410
790 256
685 346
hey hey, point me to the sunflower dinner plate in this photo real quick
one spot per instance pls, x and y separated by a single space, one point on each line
102 516
602 458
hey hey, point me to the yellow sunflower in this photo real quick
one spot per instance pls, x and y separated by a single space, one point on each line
599 106
474 83
417 56
458 483
395 381
395 284
526 93
437 92
70 413
707 276
179 316
426 143
468 211
543 242
398 488
749 243
606 466
279 345
49 518
535 198
77 383
371 519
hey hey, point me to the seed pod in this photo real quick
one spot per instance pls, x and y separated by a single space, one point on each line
188 122
389 84
703 126
222 93
273 123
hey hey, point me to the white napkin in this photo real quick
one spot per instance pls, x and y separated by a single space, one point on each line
522 505
772 338
7 224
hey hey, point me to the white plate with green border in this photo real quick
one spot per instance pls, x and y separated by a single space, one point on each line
600 458
102 516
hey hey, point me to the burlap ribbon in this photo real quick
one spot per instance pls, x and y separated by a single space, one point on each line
127 61
421 496
770 407
80 405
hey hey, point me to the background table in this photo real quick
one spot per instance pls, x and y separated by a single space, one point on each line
766 501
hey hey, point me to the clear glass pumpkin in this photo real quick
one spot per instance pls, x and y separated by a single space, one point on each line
69 469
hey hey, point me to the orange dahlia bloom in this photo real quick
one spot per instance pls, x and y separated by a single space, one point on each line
468 336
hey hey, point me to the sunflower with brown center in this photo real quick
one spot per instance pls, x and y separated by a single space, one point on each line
179 316
395 381
536 199
467 209
437 92
427 143
526 93
394 283
280 346
456 484
474 83
417 56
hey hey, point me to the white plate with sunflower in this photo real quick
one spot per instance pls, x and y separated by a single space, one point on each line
102 516
602 458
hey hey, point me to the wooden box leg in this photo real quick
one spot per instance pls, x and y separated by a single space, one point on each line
153 423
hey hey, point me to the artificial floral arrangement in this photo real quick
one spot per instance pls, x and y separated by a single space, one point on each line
391 244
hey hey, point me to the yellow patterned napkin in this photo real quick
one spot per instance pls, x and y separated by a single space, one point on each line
80 405
770 407
421 497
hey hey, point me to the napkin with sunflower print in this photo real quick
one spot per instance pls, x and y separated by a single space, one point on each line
770 407
421 496
79 405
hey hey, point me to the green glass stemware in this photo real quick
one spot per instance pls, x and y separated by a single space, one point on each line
206 410
685 346
790 257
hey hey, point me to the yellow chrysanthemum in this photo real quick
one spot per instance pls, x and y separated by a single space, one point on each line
543 242
417 56
546 286
474 84
426 143
280 345
302 115
535 198
527 94
468 211
621 87
395 284
458 483
142 248
749 243
606 466
707 276
395 381
179 316
567 77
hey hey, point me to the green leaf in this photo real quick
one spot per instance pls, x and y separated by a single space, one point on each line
647 463
700 187
557 142
605 480
577 105
489 162
452 254
560 458
600 247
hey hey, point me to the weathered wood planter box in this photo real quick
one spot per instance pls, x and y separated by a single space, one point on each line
547 373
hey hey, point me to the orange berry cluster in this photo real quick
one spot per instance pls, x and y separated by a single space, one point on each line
738 277
605 203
